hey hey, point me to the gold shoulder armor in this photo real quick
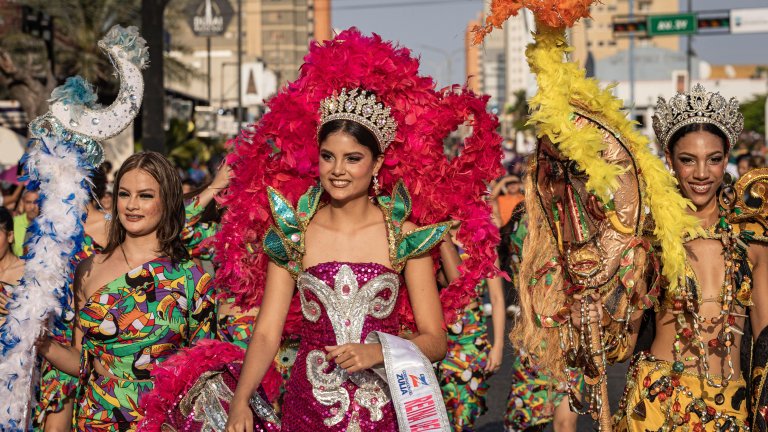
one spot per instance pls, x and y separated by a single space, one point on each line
749 204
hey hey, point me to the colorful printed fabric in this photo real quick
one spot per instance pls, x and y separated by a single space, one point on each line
55 385
198 236
534 395
237 329
462 374
130 325
657 399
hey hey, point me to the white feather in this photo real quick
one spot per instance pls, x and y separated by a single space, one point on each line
60 172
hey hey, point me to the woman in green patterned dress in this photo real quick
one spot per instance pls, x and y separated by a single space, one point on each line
137 303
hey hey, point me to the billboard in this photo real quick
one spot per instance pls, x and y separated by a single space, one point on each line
749 20
259 83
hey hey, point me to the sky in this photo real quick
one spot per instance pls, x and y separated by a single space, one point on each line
435 29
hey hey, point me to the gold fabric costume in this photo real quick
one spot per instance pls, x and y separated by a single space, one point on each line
657 399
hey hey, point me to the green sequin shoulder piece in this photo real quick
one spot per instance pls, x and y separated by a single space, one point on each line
284 240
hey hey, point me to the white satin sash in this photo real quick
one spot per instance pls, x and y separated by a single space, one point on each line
412 383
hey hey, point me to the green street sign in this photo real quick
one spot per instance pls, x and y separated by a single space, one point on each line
661 25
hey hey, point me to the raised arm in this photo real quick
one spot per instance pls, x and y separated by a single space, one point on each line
219 183
450 259
264 344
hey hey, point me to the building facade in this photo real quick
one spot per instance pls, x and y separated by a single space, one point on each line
595 35
276 37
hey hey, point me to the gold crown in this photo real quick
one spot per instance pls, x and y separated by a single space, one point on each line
697 106
361 107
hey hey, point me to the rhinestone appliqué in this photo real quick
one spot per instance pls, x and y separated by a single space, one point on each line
347 306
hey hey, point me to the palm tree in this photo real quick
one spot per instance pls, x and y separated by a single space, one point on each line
519 110
79 25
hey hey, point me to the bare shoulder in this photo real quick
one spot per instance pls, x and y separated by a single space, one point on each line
84 269
409 226
89 272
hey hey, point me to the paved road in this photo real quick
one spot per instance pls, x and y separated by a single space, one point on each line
493 420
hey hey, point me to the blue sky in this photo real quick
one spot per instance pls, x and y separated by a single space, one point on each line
435 29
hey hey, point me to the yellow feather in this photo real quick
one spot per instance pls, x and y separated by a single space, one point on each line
563 88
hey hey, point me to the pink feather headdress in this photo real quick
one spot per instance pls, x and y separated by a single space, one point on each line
282 152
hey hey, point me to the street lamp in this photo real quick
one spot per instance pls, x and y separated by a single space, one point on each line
448 57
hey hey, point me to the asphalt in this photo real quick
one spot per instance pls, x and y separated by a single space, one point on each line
493 420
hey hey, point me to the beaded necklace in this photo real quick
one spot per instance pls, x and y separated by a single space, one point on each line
686 303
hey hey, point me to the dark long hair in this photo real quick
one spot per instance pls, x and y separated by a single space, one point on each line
6 220
172 218
699 127
358 131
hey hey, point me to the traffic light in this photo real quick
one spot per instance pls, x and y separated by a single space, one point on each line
626 27
719 22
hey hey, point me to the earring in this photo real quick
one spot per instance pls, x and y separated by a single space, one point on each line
376 188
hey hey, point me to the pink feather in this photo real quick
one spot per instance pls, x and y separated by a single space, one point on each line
282 152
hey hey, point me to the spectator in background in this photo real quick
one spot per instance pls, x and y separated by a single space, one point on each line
188 185
505 195
11 189
107 168
744 163
758 161
106 201
21 222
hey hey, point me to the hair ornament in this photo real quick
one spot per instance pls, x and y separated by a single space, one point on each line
74 112
65 151
360 107
697 106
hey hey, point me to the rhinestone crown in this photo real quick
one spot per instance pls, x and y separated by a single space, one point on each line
697 106
361 107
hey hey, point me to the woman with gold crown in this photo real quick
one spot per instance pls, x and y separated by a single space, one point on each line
691 377
328 194
591 267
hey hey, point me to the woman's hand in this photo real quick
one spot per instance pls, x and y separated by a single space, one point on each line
221 181
495 357
240 418
594 308
355 357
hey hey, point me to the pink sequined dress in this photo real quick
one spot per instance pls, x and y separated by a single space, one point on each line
341 303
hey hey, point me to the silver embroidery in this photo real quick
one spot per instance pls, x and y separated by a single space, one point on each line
263 409
204 402
347 306
207 403
326 387
371 393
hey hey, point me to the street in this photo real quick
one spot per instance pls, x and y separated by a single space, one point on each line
493 420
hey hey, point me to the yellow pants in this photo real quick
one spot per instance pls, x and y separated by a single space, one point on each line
656 399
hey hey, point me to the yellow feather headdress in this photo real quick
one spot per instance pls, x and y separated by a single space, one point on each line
563 90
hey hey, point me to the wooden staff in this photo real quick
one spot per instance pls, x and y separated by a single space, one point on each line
604 420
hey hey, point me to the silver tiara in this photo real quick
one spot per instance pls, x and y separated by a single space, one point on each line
697 106
361 107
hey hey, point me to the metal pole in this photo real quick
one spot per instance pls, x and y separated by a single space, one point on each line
631 58
688 52
210 72
239 65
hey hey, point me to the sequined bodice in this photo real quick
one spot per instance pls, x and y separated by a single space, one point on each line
344 302
341 303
